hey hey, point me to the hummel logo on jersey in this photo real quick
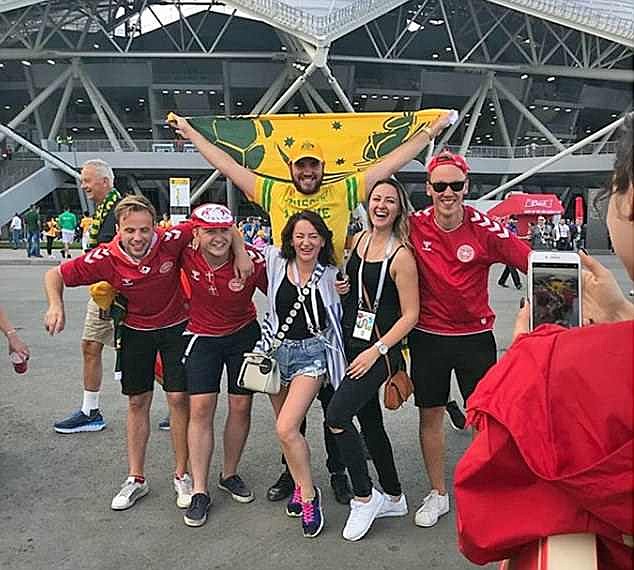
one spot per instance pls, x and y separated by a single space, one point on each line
426 245
127 282
172 234
96 255
481 220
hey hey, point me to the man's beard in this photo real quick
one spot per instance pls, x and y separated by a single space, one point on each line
314 191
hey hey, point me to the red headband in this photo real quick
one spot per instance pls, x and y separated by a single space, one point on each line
448 158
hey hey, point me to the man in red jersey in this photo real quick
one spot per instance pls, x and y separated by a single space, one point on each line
143 265
455 245
223 326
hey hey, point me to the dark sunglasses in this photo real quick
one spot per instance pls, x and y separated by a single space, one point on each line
442 186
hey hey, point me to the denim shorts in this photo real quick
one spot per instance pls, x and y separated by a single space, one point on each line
305 357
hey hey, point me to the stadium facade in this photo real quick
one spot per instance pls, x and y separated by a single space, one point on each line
534 80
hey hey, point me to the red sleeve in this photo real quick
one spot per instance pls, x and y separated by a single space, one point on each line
87 269
261 281
509 250
178 237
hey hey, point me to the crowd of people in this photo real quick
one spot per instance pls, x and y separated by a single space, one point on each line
335 329
562 235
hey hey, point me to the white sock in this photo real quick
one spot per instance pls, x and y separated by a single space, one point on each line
91 402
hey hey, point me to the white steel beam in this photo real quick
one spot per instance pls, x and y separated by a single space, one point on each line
110 112
565 152
463 113
475 115
61 109
44 155
37 101
527 8
101 115
529 116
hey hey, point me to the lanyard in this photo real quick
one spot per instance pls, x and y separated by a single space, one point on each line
308 289
379 291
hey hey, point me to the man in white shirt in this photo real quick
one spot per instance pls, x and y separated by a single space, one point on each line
15 230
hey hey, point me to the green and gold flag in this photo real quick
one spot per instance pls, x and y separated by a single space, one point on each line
351 142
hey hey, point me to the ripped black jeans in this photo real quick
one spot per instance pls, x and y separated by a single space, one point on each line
361 398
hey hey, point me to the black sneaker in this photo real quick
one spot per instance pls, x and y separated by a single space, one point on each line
341 487
282 488
235 486
79 422
196 514
312 516
456 417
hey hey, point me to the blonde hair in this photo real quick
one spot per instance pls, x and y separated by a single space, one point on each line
134 204
401 224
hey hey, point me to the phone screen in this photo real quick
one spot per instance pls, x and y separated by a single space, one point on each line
555 294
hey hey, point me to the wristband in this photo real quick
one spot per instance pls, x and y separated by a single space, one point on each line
10 332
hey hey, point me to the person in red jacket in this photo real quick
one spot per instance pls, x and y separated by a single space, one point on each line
455 246
223 326
143 264
554 453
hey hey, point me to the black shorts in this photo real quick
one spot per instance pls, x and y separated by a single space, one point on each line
138 356
206 357
434 356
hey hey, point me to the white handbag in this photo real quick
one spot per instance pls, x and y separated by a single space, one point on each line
259 373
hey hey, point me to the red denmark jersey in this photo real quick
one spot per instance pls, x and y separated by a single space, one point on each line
220 303
453 270
151 285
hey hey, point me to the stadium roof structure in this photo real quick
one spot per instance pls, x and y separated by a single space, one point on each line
521 72
326 21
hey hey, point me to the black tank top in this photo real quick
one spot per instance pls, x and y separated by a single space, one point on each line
389 310
284 299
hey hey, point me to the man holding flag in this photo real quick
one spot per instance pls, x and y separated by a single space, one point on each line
332 200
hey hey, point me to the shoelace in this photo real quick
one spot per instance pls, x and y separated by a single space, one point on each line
308 512
297 495
128 488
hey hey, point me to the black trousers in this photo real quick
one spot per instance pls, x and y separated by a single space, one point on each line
334 462
361 398
508 270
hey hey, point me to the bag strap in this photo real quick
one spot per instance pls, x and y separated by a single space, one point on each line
290 318
378 334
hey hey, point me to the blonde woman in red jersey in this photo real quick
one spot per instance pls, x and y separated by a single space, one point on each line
222 327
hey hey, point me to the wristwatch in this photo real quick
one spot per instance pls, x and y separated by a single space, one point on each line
381 347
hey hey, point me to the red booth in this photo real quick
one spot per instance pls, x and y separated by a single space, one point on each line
526 208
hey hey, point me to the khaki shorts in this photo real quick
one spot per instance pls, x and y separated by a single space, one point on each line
96 329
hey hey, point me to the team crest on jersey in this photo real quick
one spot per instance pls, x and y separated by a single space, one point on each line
145 269
465 253
236 285
165 267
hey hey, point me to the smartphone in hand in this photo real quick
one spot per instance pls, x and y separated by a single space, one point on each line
554 288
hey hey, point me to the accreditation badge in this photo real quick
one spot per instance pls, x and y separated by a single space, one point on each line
364 325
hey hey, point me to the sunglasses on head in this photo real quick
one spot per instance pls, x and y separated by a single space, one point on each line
442 186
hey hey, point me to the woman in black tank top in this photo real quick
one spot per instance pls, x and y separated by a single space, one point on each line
380 307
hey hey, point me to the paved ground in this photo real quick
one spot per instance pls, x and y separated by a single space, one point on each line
55 491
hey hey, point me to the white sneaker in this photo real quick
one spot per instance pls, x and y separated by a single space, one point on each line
130 492
392 508
362 516
434 506
183 488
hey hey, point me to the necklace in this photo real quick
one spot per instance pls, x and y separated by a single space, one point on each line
210 275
